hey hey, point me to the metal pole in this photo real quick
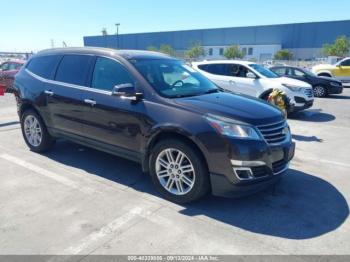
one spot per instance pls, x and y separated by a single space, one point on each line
117 25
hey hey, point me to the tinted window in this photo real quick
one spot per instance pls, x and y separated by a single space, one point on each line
279 71
5 66
74 69
299 73
216 69
44 66
14 66
346 63
109 73
237 70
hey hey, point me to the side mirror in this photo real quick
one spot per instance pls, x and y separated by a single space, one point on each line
126 91
251 75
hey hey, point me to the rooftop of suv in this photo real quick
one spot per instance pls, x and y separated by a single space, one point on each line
126 54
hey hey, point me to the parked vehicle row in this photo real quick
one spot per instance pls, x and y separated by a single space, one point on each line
255 80
8 70
339 71
322 86
190 136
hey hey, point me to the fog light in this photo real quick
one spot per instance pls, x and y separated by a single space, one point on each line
244 173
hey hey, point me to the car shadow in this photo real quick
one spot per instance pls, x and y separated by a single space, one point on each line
312 115
300 206
307 138
338 97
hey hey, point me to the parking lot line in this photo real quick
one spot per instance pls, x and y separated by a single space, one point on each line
324 161
109 229
47 173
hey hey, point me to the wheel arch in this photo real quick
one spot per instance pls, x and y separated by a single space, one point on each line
170 134
265 93
325 73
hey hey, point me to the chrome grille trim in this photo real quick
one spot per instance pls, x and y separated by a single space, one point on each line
273 133
308 93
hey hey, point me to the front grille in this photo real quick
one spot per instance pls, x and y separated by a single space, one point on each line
274 133
309 93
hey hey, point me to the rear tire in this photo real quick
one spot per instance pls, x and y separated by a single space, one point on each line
35 133
178 171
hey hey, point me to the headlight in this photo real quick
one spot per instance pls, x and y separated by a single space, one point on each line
293 88
227 127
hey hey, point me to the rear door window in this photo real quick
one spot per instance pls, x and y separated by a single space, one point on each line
44 66
74 69
108 73
215 69
280 71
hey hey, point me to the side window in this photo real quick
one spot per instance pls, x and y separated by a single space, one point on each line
216 69
13 66
299 73
237 70
44 66
74 69
4 67
280 71
289 72
109 73
346 63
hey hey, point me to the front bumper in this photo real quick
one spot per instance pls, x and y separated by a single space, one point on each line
302 104
335 90
245 167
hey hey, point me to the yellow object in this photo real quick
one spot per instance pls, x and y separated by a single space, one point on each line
277 98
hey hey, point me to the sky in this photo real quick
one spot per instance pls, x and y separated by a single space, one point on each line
29 25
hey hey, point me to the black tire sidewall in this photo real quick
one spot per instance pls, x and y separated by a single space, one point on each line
46 141
201 186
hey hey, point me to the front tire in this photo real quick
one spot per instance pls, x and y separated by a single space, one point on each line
178 171
35 133
320 91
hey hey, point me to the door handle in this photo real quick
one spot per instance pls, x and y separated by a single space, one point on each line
90 102
232 82
49 92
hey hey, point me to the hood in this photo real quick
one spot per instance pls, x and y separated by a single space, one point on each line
237 107
291 81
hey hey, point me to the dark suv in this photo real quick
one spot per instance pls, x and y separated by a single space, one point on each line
153 109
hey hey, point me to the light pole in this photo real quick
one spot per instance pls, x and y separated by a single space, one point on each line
117 25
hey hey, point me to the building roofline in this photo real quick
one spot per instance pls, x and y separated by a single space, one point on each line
220 28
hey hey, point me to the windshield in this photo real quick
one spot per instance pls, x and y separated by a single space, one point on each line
172 78
264 71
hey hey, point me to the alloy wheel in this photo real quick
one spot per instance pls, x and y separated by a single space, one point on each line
175 171
33 131
319 91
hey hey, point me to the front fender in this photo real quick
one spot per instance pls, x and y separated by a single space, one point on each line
168 130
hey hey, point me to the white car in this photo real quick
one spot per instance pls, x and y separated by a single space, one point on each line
255 80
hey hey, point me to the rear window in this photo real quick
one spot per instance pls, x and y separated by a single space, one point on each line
74 69
44 66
